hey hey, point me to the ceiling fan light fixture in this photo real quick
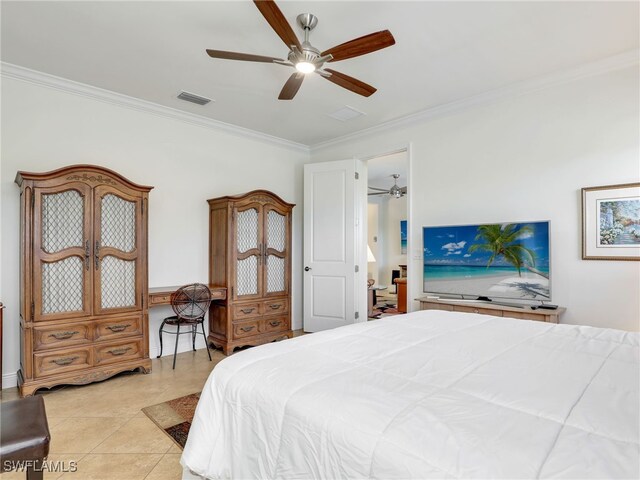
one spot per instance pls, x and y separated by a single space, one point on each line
305 67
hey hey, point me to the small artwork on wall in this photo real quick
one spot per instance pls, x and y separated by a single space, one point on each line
611 222
403 237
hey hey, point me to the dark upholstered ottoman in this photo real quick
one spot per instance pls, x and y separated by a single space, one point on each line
24 436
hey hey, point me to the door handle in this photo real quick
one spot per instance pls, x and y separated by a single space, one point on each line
96 253
306 269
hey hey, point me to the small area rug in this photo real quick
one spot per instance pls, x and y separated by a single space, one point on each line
385 312
174 417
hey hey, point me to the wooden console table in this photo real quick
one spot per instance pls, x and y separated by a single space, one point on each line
401 289
489 308
162 295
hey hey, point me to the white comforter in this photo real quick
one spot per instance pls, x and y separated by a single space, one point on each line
425 395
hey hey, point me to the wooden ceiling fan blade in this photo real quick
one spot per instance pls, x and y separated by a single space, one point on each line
291 87
350 83
361 46
379 193
247 57
379 189
278 22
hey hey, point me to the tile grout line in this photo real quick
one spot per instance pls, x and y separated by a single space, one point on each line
157 463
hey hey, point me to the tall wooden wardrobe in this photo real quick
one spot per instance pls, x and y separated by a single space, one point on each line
250 254
83 277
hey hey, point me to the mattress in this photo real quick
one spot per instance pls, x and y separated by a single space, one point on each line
429 394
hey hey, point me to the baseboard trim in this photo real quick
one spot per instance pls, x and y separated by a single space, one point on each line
9 380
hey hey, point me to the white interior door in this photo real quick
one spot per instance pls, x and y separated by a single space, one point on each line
334 225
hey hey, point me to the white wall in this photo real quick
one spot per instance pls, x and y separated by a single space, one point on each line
373 238
394 210
44 129
526 158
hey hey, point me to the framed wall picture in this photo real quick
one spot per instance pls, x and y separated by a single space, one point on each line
611 222
403 237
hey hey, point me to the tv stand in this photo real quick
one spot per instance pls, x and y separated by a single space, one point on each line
520 312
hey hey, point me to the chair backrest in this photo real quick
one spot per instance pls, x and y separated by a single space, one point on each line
191 302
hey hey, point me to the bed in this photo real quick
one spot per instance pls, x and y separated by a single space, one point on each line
429 394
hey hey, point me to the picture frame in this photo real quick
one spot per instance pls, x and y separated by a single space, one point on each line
403 237
611 222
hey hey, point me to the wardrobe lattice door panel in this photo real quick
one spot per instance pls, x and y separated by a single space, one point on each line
61 269
247 276
276 231
117 251
63 286
62 221
117 282
118 223
276 278
247 230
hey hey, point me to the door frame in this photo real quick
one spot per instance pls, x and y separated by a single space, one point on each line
413 264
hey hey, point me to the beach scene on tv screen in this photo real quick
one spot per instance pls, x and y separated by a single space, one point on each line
508 260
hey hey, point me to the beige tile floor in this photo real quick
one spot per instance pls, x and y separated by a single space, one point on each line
101 427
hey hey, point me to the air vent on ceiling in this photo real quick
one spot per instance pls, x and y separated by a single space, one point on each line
346 113
193 98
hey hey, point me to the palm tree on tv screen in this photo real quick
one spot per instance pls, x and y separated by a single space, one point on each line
503 242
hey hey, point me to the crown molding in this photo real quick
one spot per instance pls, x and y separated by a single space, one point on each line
17 72
599 67
609 64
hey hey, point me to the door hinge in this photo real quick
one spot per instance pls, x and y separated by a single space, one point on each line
357 175
357 268
357 315
33 310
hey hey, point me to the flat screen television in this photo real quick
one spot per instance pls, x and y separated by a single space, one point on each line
501 260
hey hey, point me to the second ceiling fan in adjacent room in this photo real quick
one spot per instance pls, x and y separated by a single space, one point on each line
395 191
306 58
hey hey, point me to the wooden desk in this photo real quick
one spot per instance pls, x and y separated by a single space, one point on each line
488 308
162 295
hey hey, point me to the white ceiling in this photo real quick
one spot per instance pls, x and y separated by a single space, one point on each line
444 51
380 169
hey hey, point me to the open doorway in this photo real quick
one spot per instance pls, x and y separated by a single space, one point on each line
387 220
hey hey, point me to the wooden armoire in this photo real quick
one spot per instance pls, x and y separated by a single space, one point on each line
83 276
250 254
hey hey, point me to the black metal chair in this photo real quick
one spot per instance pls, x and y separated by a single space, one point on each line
190 304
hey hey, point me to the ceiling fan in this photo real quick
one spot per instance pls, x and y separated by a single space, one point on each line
395 191
305 58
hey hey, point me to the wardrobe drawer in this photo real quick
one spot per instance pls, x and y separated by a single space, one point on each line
118 327
278 306
246 310
64 335
275 324
68 360
118 352
246 329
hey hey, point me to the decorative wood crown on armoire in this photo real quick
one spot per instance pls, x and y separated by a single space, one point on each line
83 278
250 254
